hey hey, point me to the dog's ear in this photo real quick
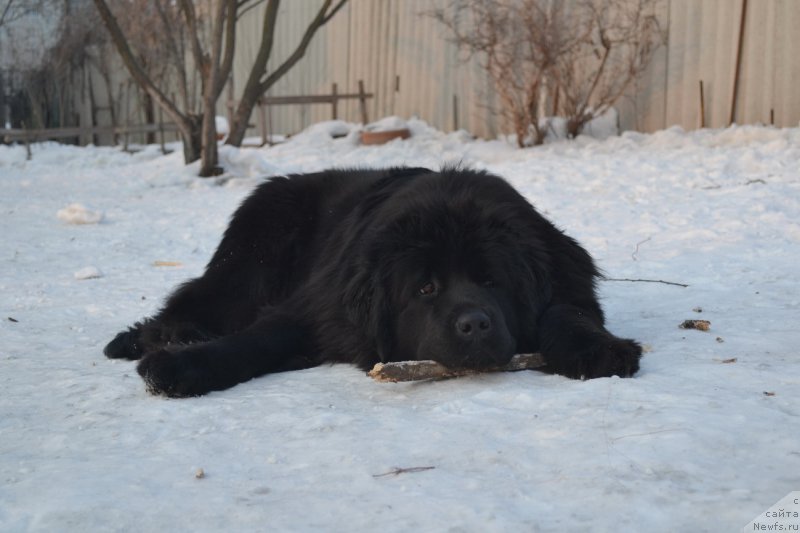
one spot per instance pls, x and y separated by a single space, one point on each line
527 266
382 327
367 306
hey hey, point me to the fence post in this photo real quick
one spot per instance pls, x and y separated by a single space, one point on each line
262 120
269 125
334 101
161 129
455 112
27 142
362 98
738 63
702 107
127 117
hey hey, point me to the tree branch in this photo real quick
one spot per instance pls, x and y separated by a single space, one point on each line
267 40
177 57
230 45
200 58
336 8
242 3
135 69
6 10
319 21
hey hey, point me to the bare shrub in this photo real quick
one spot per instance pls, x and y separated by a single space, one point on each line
571 58
52 70
168 43
616 48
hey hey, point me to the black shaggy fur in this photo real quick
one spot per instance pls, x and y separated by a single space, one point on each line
361 266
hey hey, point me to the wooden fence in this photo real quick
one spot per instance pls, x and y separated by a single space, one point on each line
28 136
332 99
264 103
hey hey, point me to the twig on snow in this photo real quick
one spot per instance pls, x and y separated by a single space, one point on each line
397 470
647 281
647 433
636 251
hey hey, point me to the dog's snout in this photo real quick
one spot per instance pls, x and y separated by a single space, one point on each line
473 324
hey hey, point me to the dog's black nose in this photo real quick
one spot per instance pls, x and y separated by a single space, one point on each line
473 324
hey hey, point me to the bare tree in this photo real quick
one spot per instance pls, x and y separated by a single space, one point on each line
198 131
24 34
614 51
160 48
159 42
571 58
69 59
104 65
208 31
260 80
14 10
52 67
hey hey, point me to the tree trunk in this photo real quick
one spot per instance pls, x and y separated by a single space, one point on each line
253 89
149 116
212 88
256 86
188 123
92 105
242 116
191 130
209 157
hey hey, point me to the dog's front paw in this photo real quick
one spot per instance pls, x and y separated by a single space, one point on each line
604 357
614 357
126 345
174 374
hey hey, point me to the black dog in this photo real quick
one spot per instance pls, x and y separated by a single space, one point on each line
360 266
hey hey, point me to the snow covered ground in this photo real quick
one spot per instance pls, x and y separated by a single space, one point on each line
706 436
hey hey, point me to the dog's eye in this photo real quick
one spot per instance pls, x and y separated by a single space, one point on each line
428 289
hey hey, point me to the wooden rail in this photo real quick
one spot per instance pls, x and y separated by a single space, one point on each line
42 134
33 135
331 99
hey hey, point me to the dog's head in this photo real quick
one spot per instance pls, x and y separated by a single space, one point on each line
446 281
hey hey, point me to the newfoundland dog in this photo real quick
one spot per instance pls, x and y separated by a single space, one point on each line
367 266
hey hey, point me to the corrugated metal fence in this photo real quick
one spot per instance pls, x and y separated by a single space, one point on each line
405 61
703 38
392 45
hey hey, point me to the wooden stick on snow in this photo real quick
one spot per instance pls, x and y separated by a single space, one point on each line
419 370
